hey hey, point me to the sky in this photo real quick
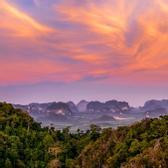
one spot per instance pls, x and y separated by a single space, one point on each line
61 50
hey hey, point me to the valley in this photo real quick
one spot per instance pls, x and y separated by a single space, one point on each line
112 113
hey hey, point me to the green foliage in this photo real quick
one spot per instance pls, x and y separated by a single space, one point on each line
24 143
7 164
144 144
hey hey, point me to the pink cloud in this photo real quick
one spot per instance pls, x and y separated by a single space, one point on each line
118 39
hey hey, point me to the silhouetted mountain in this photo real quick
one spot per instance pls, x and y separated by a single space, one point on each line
82 106
80 115
34 108
59 108
112 106
155 104
155 108
54 111
72 107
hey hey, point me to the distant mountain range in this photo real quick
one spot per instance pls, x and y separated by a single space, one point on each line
86 112
68 109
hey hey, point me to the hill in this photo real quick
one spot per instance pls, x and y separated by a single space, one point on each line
144 144
63 114
24 143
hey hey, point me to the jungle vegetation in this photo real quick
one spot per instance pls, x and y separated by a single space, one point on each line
25 144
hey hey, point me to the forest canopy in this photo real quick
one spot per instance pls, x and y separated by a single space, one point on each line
24 143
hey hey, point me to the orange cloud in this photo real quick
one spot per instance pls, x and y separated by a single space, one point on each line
115 38
18 23
21 71
112 21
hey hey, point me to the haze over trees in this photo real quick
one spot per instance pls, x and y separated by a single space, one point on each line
24 143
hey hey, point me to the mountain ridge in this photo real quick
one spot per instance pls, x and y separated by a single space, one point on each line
24 143
86 112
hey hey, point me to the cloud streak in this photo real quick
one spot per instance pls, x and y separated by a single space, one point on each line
18 23
121 40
